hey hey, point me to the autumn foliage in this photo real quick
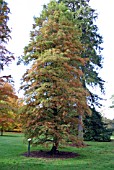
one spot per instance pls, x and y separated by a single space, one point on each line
54 94
7 107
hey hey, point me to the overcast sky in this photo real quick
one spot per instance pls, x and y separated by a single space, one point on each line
21 20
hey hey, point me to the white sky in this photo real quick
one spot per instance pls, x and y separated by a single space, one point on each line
21 20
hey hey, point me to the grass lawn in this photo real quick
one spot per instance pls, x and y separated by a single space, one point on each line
96 156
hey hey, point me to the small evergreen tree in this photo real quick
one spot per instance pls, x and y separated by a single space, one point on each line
95 129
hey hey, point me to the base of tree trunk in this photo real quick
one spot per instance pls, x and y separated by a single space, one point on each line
1 131
53 151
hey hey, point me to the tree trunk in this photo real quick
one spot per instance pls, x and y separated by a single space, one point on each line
54 149
55 140
80 129
2 131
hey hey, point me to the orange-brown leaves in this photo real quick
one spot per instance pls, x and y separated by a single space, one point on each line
54 94
7 103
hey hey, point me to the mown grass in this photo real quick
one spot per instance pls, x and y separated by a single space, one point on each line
96 156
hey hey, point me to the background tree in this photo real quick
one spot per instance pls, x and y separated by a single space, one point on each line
5 55
86 16
7 109
95 128
90 38
112 99
6 90
52 86
18 105
109 124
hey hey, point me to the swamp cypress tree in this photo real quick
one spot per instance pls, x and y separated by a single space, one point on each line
52 85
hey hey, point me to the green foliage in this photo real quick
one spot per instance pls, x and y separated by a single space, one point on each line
52 85
5 55
109 123
95 128
85 16
6 90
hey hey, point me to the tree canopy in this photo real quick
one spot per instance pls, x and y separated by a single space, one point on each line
5 55
6 89
7 108
54 94
92 40
95 129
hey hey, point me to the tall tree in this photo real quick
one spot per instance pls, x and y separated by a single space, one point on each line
52 86
5 55
86 16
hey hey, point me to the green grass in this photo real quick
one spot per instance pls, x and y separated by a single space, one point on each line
96 156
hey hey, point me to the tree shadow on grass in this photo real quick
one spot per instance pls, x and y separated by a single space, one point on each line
46 154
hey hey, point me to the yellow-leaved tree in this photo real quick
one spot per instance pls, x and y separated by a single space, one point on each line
7 109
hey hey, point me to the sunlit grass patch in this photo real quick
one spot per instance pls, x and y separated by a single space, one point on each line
96 156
